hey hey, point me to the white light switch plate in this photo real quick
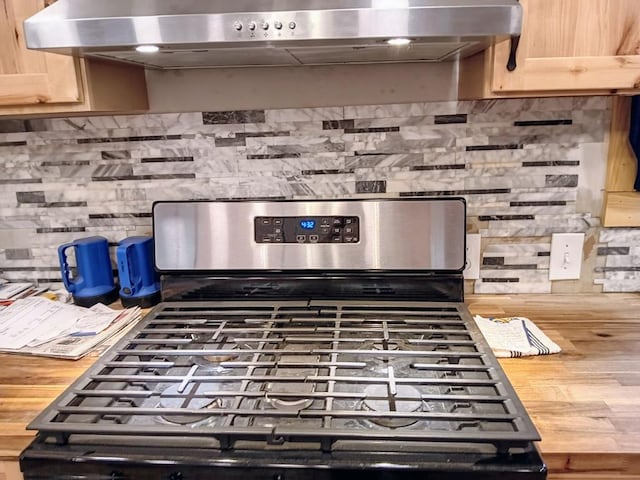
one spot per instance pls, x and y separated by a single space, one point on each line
472 269
566 256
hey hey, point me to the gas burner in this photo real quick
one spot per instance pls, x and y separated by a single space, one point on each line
175 397
213 360
289 404
290 396
389 346
407 399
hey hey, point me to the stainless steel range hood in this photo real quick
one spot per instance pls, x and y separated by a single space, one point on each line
218 33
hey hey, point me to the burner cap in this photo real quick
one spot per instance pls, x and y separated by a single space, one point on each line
410 401
289 405
213 360
172 398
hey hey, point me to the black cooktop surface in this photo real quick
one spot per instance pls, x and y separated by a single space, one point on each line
320 373
263 386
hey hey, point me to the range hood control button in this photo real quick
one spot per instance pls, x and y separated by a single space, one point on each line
237 25
264 25
252 26
277 25
292 25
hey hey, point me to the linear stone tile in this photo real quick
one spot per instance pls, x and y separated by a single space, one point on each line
12 126
539 123
115 154
165 159
30 197
337 124
60 230
561 180
510 146
552 163
603 251
372 130
448 119
375 186
18 254
237 116
620 236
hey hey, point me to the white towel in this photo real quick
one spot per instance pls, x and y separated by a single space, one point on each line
515 337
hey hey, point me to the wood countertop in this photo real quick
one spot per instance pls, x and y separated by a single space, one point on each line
584 401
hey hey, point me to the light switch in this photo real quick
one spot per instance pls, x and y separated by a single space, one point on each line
566 256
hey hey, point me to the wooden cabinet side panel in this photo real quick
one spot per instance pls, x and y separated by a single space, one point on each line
621 165
621 206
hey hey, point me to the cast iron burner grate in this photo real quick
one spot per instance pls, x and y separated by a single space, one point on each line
319 373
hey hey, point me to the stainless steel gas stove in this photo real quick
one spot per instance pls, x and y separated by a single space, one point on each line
297 340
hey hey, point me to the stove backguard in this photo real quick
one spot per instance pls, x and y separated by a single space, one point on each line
392 235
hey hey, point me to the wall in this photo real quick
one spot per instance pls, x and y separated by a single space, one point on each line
527 168
293 87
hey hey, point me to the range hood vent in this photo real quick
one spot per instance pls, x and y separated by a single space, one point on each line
223 33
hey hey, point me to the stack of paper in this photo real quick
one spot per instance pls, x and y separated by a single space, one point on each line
39 326
11 290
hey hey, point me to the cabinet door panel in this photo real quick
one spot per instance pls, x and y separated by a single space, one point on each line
29 77
573 45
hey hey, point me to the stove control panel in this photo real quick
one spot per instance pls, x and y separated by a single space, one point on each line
307 229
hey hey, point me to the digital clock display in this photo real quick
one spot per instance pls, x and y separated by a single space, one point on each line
308 224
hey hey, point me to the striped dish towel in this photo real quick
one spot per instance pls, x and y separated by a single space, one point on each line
515 337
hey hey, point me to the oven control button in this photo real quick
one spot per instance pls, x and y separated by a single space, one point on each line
336 239
348 230
313 238
278 240
336 230
337 221
277 25
348 239
324 230
266 221
277 221
277 230
301 238
266 239
348 220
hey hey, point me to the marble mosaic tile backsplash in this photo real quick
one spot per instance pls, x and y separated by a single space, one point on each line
517 162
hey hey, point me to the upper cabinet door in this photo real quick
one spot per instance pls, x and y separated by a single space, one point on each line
573 45
28 77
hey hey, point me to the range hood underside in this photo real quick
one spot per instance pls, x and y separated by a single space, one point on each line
199 57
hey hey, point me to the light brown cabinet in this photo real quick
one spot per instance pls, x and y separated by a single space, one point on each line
567 47
621 206
33 82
